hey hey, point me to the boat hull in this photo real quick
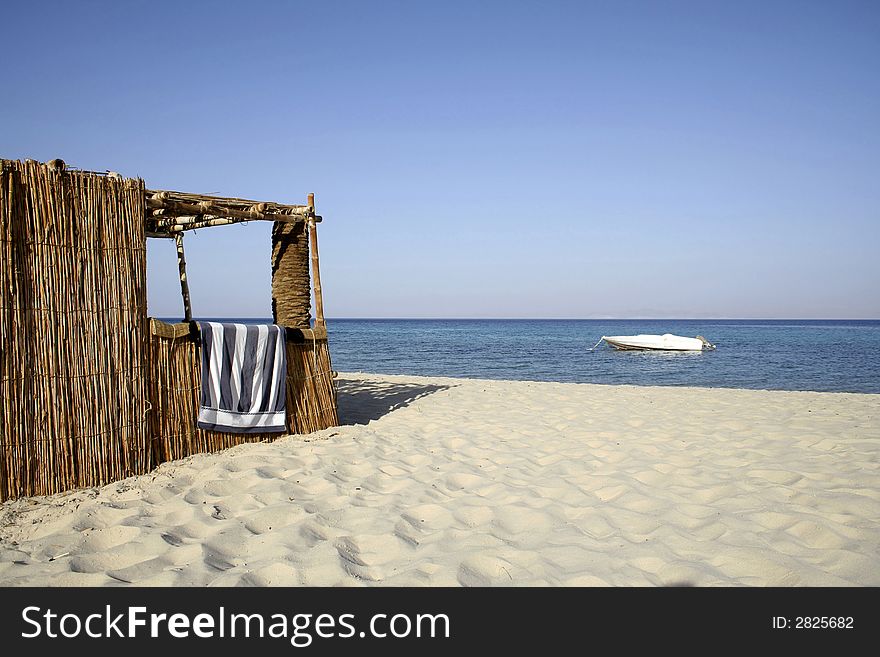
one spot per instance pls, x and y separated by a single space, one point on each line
667 342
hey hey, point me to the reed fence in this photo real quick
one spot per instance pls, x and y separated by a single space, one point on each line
175 363
91 390
73 329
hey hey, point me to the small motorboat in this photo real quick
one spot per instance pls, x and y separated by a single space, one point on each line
666 342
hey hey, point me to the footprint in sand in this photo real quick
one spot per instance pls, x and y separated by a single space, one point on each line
427 517
140 571
270 472
120 556
349 471
817 536
782 477
415 460
225 550
474 516
368 549
194 529
222 487
195 496
159 495
245 464
177 516
516 520
423 524
487 570
99 517
273 518
464 481
384 484
313 533
100 540
276 574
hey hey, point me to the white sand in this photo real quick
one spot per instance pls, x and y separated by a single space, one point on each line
492 483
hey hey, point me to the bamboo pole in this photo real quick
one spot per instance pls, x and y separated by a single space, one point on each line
316 270
208 207
226 202
184 284
163 220
206 223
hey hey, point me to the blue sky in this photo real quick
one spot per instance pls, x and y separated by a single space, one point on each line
484 159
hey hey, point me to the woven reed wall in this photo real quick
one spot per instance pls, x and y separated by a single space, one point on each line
87 394
73 329
175 381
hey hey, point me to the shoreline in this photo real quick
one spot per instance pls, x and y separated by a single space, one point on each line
439 481
427 378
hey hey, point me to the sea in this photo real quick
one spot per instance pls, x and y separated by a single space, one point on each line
819 355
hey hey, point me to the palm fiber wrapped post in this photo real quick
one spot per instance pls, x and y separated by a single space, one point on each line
290 275
311 390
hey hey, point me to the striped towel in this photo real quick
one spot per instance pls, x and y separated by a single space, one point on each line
244 373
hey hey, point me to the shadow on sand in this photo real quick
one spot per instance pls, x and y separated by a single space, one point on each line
361 401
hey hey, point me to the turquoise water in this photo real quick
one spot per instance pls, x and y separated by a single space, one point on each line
822 355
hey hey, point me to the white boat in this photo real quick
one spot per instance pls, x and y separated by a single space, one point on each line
666 342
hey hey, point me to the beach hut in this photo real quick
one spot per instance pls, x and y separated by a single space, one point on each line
92 389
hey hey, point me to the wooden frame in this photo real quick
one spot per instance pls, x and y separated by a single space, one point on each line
170 212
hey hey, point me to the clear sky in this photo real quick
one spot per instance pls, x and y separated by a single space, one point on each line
484 159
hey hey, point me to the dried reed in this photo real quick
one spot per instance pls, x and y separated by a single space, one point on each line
73 329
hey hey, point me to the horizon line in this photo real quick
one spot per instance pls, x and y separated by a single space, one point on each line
575 319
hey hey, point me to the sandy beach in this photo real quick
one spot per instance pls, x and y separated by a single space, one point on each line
447 482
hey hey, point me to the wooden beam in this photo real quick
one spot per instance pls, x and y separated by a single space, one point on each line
225 202
174 212
173 208
175 228
184 285
316 270
182 330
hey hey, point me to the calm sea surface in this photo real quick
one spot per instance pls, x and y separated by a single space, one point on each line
823 355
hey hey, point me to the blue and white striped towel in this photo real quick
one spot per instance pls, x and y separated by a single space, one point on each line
244 374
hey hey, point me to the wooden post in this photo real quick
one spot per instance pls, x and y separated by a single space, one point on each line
291 289
316 270
184 285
